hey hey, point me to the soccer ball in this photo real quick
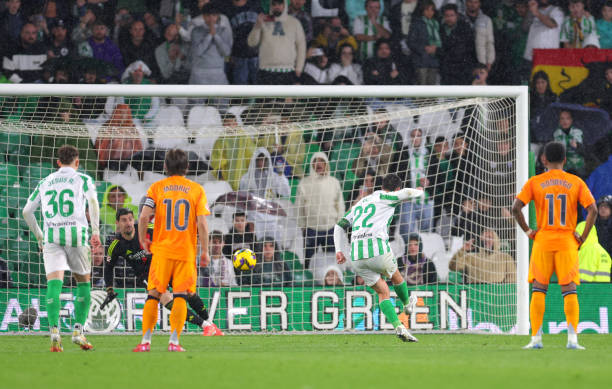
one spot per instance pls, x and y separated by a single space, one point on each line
28 318
244 259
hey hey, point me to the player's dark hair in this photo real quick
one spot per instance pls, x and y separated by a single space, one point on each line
122 212
391 182
554 152
449 7
67 154
239 214
176 162
216 234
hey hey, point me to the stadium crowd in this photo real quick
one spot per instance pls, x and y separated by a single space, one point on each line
325 172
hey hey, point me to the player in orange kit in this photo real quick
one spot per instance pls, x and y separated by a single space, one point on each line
556 195
180 210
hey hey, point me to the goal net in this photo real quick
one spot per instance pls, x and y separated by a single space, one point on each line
280 166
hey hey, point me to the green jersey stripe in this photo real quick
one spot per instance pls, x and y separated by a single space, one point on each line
381 249
83 236
62 236
360 249
370 248
353 251
73 236
50 235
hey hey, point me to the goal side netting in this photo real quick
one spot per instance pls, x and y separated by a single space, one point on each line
280 166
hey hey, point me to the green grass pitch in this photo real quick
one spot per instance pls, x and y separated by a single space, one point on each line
308 361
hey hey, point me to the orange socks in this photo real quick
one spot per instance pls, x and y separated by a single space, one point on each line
572 311
177 318
149 318
536 310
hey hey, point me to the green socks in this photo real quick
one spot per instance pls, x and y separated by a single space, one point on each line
54 288
402 292
389 310
82 301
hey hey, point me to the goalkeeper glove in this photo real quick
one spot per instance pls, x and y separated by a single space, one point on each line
110 296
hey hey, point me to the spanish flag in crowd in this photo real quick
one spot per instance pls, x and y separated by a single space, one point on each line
567 67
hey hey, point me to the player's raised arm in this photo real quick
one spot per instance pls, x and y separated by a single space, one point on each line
407 193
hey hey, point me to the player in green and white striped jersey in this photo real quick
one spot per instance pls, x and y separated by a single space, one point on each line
63 197
371 253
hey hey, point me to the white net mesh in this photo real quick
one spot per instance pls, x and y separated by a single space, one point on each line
456 246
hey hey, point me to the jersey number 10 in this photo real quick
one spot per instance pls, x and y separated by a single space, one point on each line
173 212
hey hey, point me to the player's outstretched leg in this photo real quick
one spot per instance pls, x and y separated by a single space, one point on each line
177 321
149 318
572 314
81 311
388 310
536 315
401 289
54 288
209 328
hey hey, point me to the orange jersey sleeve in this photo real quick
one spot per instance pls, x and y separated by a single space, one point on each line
178 201
556 195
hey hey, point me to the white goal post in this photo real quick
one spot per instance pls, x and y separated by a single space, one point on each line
484 116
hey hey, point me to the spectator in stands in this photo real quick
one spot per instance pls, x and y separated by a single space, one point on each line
315 69
286 146
488 265
572 139
296 9
171 57
402 14
231 153
42 31
424 41
544 32
282 46
578 29
540 94
333 37
139 46
275 272
331 276
368 29
123 20
89 107
114 198
383 69
152 25
58 44
346 66
84 29
606 90
100 47
210 44
243 16
482 26
416 268
465 220
375 155
604 26
594 261
365 186
221 268
261 180
197 20
144 108
511 26
320 204
461 177
22 60
458 53
12 21
438 174
603 224
416 215
239 236
480 74
115 152
385 131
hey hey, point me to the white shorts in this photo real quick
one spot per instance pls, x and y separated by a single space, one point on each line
372 268
75 259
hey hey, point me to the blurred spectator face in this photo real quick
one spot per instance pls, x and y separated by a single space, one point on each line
541 85
268 251
28 34
521 9
297 4
149 19
137 75
472 6
384 51
416 137
230 122
319 165
440 147
604 210
61 77
606 13
123 17
503 147
240 223
576 10
609 75
372 8
484 204
116 198
369 181
487 238
91 15
332 278
413 248
481 74
99 33
171 33
459 145
467 205
277 8
51 10
450 17
216 245
565 120
239 3
260 162
90 77
211 19
429 12
59 33
347 55
13 6
137 30
125 224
